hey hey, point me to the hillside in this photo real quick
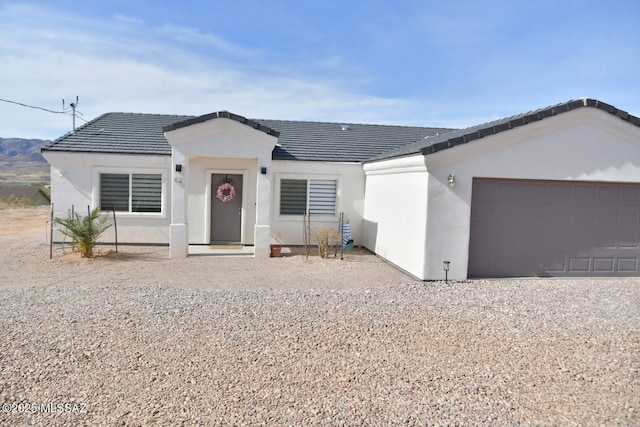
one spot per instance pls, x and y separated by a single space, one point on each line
20 160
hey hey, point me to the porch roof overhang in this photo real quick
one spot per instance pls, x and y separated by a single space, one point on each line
217 115
221 134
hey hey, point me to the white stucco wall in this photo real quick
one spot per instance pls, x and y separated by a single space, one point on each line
349 198
75 182
584 144
394 211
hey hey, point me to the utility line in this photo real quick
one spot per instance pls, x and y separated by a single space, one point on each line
46 109
31 106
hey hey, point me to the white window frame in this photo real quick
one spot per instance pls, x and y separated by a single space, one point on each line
308 178
133 171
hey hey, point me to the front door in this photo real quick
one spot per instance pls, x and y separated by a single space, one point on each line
226 208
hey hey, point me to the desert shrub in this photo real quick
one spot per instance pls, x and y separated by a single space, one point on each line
325 238
84 231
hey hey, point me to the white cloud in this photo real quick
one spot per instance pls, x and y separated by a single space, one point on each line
122 64
125 63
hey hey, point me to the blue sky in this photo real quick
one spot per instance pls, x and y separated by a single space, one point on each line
447 63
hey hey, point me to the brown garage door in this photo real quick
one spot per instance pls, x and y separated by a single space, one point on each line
554 228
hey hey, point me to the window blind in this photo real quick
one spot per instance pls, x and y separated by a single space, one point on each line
146 193
124 192
114 192
322 197
293 196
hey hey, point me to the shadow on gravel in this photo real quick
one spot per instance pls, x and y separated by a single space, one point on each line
358 254
150 254
124 255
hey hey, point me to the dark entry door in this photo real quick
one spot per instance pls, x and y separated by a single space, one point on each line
226 208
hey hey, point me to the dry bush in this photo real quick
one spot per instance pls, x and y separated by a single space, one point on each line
326 237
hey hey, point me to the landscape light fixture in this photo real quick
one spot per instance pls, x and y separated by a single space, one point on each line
445 266
452 181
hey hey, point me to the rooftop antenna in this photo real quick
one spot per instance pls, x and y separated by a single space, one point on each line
73 106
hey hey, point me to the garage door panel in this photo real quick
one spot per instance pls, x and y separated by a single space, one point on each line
484 214
606 217
628 265
584 193
557 239
579 265
553 228
561 192
629 217
608 193
553 264
556 215
606 238
508 191
536 193
604 265
628 240
630 194
582 217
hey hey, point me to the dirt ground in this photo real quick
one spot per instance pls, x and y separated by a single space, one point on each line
25 253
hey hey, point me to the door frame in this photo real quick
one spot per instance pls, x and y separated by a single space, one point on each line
208 189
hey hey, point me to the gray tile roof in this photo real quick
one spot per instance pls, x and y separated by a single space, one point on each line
130 133
321 141
125 133
432 144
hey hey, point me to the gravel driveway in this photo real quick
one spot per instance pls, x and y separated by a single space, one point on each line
143 340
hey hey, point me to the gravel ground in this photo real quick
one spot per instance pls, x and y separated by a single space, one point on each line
144 340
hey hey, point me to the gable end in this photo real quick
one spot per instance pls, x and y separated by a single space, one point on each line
222 114
471 134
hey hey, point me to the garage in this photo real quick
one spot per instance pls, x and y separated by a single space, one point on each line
553 228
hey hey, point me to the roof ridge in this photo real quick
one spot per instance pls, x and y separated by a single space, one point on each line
148 114
351 123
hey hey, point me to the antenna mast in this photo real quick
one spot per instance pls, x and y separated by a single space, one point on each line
73 106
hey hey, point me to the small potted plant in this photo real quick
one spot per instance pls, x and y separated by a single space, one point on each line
276 251
276 248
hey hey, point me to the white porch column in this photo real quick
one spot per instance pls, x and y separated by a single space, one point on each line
262 237
178 230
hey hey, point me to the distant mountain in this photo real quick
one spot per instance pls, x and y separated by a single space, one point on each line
21 149
21 159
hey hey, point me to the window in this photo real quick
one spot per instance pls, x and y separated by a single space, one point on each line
316 196
131 192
